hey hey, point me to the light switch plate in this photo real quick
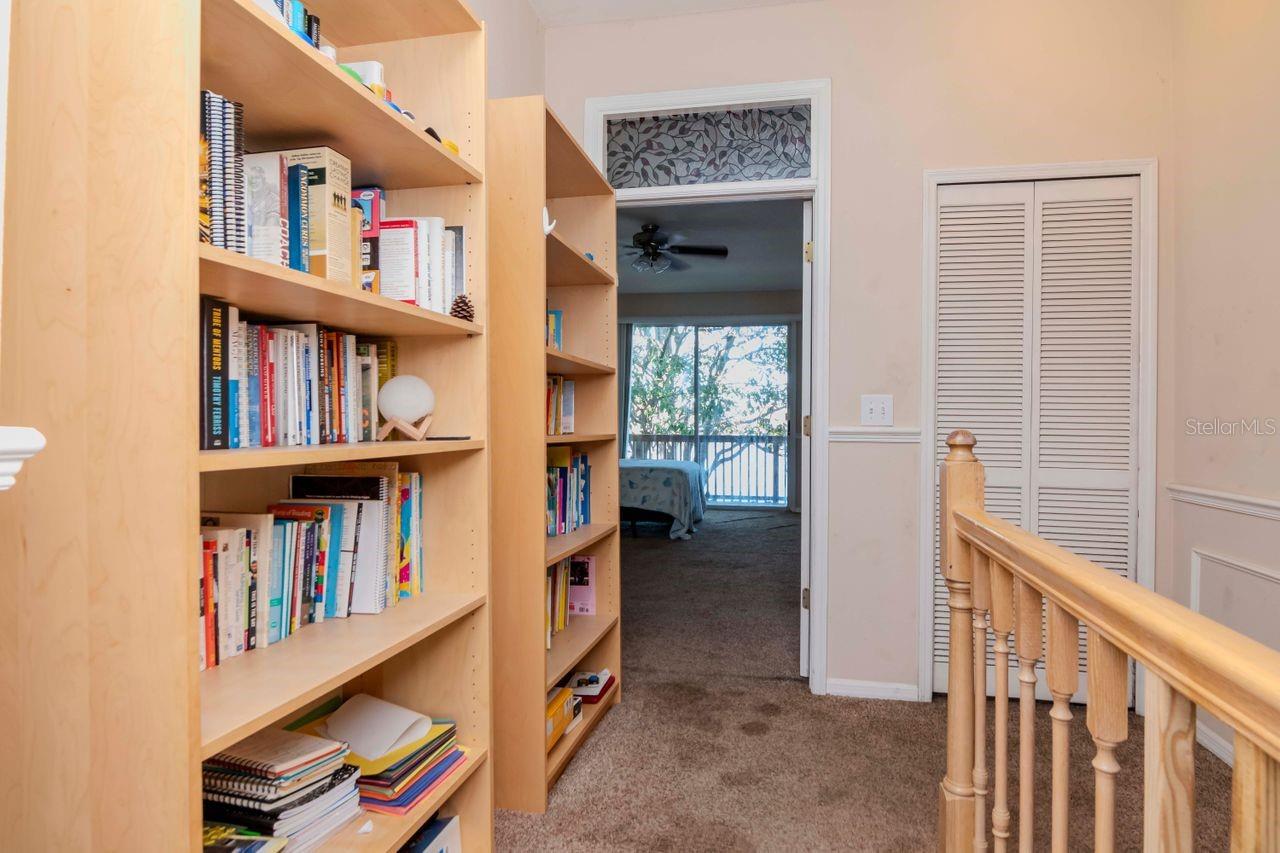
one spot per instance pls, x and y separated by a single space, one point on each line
877 410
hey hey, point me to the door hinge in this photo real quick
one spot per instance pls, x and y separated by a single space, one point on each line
805 426
808 252
804 598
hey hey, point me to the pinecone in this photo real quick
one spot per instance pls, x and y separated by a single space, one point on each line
462 308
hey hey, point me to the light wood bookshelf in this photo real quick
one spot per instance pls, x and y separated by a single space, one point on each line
537 163
431 653
100 342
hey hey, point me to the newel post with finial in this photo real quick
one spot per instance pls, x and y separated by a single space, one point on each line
960 488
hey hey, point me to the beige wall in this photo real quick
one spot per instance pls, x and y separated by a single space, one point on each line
916 85
515 47
772 304
1227 262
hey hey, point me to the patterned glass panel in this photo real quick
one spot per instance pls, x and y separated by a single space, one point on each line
751 144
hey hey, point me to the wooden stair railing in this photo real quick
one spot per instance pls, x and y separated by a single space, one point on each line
1002 578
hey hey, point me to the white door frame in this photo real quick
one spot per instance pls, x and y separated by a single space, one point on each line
818 188
1147 173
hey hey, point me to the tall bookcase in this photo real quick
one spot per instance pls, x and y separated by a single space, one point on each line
536 163
100 342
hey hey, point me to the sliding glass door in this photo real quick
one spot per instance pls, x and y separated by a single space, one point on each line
718 396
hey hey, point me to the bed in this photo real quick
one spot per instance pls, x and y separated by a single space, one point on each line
663 490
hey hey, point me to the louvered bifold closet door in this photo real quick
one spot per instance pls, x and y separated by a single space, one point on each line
982 363
1084 404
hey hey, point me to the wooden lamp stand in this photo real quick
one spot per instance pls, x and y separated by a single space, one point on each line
417 432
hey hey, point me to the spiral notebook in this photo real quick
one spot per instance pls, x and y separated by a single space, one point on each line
278 754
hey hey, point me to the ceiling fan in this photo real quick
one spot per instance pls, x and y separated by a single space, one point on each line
655 252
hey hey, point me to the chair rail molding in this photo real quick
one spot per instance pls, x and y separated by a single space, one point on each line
1257 507
17 445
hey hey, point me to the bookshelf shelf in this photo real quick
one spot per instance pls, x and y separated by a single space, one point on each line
568 544
559 361
581 438
245 693
391 831
568 266
274 291
573 643
322 105
537 163
558 757
274 457
570 172
347 23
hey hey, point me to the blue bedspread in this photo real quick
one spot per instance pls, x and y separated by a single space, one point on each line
678 489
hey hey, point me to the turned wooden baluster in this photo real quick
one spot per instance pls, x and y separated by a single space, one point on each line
1001 625
961 487
1169 769
1063 675
981 604
1028 633
1255 799
1108 719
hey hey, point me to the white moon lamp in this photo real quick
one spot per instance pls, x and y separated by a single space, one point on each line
408 404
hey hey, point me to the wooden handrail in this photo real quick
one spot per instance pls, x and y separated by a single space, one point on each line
1002 577
1235 678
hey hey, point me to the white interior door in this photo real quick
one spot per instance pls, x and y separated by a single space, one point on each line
805 397
1037 319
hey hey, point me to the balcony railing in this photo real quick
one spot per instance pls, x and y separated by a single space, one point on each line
741 469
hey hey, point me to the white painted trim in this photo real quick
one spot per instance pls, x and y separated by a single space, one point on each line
17 445
1197 559
874 435
1147 171
1211 740
855 689
720 192
1227 501
1216 743
712 319
818 94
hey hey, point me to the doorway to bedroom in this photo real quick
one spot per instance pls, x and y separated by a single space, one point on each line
719 395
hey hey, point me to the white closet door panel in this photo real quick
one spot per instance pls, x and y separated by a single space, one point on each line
982 366
1086 304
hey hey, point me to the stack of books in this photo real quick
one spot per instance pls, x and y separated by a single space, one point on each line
282 784
281 385
568 490
402 756
348 540
420 260
559 405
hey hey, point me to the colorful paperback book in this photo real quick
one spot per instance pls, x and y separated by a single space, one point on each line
316 565
582 585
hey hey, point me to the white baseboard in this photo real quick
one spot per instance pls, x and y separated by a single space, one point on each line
873 689
1216 743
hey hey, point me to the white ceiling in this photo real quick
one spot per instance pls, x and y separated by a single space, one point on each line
563 13
764 238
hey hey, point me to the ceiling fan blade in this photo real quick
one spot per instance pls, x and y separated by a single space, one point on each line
708 251
677 264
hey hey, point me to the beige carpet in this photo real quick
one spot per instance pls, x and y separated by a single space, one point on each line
718 745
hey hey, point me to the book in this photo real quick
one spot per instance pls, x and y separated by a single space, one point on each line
369 587
261 530
213 374
441 835
328 197
276 753
267 198
372 205
456 262
316 564
298 177
582 585
555 328
398 249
